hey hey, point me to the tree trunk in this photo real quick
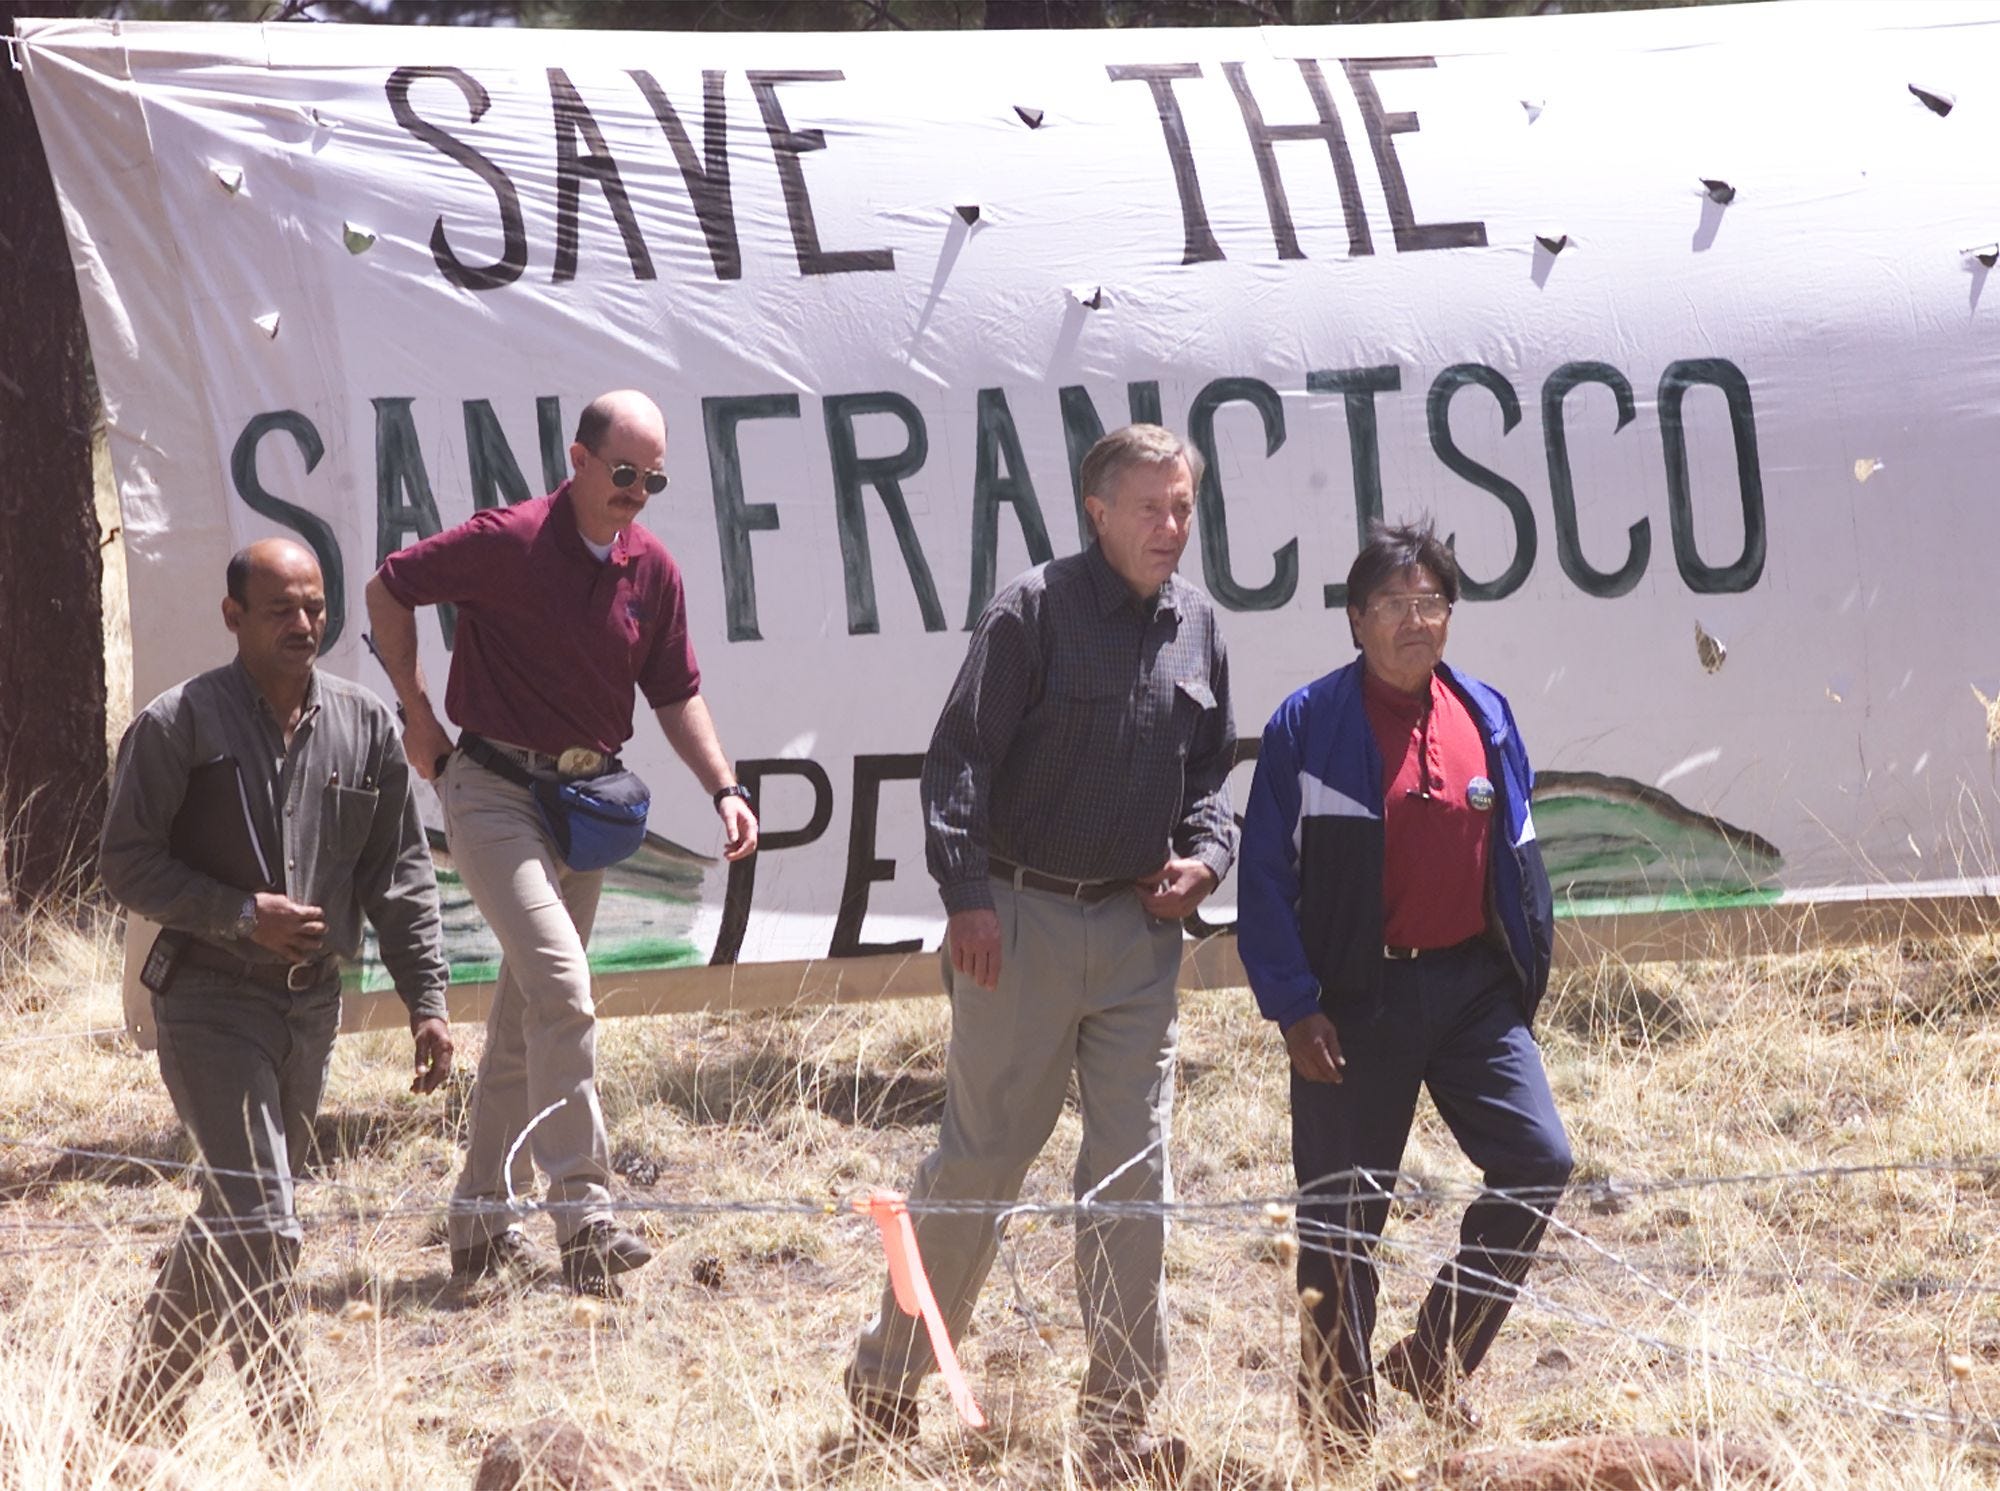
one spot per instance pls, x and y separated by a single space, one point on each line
52 750
1025 15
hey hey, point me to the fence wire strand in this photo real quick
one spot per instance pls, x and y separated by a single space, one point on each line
330 1204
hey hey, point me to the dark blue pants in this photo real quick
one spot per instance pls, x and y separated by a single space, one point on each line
1451 1022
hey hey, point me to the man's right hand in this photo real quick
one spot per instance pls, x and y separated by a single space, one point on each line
1315 1048
426 744
974 937
293 931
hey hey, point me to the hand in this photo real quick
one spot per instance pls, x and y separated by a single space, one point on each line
433 1055
1176 888
739 827
974 938
1315 1048
293 931
426 744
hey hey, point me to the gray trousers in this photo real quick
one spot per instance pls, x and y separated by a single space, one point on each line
245 1067
541 1033
1088 989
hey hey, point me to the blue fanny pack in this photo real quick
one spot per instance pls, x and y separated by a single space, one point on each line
594 822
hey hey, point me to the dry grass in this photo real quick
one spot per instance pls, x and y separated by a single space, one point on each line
1771 1309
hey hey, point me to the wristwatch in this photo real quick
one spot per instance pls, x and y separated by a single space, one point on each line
734 789
245 925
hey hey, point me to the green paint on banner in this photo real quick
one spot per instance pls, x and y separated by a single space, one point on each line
634 957
1587 906
1612 844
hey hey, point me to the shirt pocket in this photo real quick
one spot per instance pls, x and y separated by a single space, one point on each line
347 816
1090 715
1194 701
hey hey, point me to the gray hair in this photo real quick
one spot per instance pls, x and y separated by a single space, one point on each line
1135 445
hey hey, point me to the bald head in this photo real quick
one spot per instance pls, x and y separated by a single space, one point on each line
276 606
268 556
623 409
618 461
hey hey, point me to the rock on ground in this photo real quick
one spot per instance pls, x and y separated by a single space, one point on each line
557 1454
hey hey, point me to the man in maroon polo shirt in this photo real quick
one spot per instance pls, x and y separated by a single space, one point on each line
565 606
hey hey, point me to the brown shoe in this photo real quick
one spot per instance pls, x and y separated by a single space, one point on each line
599 1251
1125 1454
882 1416
1443 1406
507 1252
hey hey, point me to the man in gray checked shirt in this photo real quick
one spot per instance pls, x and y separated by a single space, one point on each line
1076 811
247 1015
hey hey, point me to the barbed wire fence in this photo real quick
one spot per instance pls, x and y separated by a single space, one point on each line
328 1205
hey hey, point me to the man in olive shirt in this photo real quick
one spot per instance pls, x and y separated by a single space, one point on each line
247 1017
1076 811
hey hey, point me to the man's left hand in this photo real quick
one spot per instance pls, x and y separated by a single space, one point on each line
1176 888
433 1055
739 827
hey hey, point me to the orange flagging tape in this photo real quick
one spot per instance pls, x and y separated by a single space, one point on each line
913 1292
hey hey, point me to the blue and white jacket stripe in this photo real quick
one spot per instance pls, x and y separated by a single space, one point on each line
1309 880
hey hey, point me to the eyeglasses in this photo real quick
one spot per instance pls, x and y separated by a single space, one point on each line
1424 605
625 473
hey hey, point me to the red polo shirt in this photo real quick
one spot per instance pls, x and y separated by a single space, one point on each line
551 640
1433 784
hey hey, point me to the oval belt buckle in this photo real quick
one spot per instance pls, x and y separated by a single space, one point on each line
580 761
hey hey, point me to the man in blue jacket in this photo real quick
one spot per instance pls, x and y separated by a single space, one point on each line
1395 921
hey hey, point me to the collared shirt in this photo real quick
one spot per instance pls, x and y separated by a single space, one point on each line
1089 735
551 641
1437 814
333 812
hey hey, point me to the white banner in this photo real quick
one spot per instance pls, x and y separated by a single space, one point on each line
1673 318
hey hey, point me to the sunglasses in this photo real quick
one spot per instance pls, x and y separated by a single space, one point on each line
625 473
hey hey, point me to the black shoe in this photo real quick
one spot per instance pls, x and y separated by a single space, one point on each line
1124 1454
507 1252
882 1416
1337 1430
1443 1406
125 1413
599 1251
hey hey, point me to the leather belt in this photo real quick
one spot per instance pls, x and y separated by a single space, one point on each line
582 761
295 977
1090 892
1411 954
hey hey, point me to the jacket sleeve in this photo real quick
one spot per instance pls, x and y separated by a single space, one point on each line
1268 933
1537 900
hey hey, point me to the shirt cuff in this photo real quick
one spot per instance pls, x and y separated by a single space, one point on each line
228 907
427 1005
1292 1016
968 895
1216 857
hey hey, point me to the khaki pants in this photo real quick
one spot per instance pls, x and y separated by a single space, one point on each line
541 1035
1088 989
245 1066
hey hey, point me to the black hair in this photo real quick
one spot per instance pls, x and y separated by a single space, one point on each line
1391 549
236 577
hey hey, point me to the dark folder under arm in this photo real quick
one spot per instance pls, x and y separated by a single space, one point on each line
215 832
